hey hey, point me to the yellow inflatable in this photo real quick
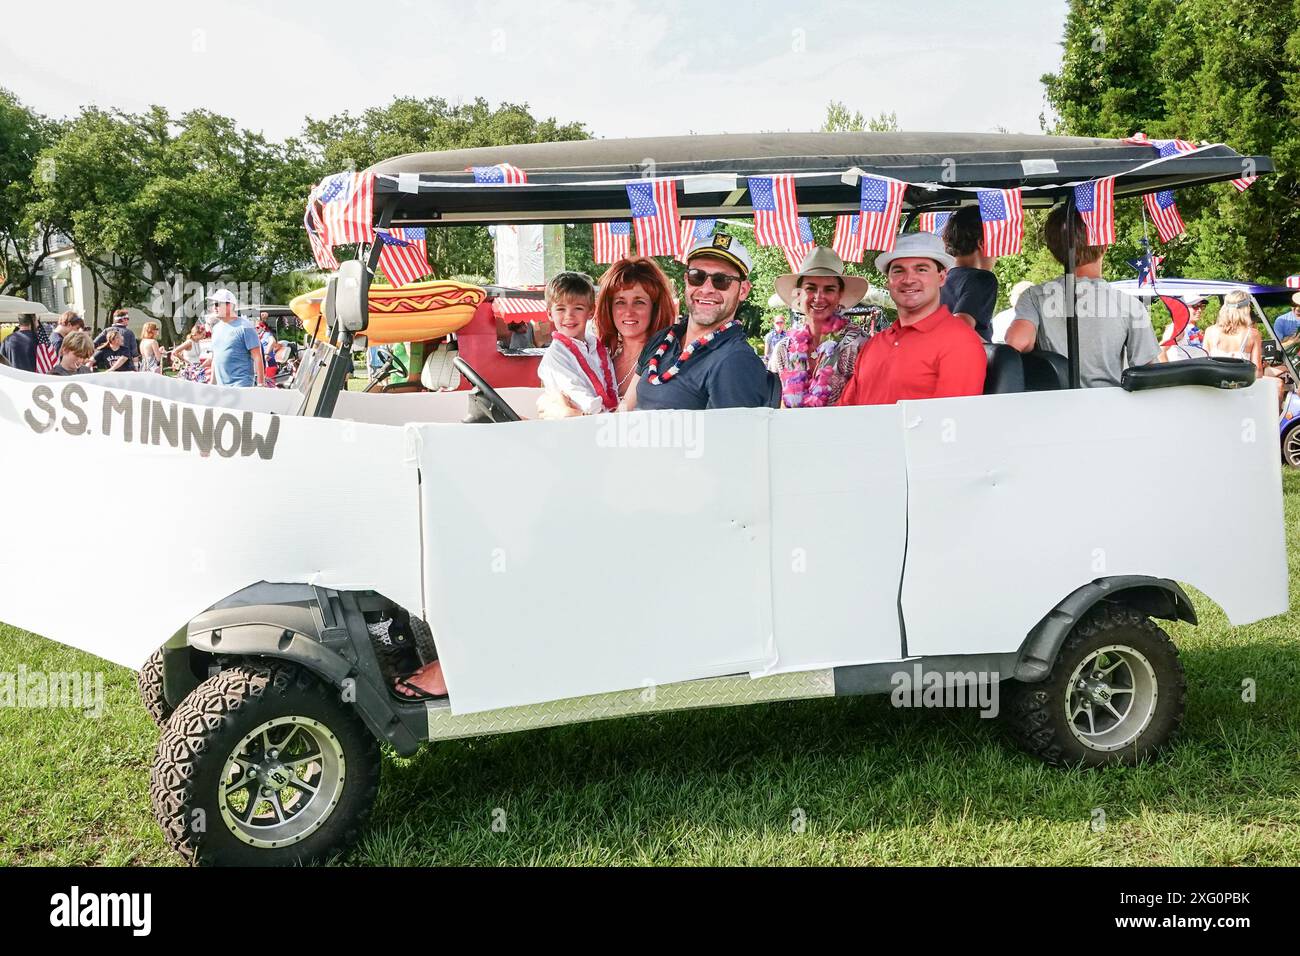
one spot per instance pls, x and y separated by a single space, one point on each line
407 313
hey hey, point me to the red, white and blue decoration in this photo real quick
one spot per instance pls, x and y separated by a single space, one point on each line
693 230
1095 202
502 174
347 202
848 244
654 216
932 222
320 248
880 204
612 241
795 253
1164 213
404 255
776 210
1293 282
1004 221
45 357
1147 265
694 348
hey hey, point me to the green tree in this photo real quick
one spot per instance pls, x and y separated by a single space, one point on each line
24 243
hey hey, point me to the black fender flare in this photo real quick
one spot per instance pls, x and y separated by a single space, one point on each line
317 629
1154 597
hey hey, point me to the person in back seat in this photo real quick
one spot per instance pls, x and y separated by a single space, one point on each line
928 352
1114 327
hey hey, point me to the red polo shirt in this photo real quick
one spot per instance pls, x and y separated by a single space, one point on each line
937 357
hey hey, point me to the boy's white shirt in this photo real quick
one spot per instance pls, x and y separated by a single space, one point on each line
560 372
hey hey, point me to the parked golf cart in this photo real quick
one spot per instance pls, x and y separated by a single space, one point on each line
846 548
1276 355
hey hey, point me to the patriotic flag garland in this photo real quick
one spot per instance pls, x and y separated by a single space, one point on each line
45 357
796 252
847 243
654 216
612 241
880 203
932 222
1004 221
1095 202
693 230
1163 212
404 255
502 174
1293 282
776 211
347 208
320 247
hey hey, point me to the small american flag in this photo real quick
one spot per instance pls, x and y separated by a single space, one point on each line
45 357
1161 208
796 252
347 208
776 210
1096 204
404 255
1004 221
320 248
932 222
613 241
881 203
694 230
847 243
1293 282
654 216
503 174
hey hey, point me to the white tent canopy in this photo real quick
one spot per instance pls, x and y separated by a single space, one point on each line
11 306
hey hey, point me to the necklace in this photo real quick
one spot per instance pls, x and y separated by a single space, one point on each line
699 345
799 389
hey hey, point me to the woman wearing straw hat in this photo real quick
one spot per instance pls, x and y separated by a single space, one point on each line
816 359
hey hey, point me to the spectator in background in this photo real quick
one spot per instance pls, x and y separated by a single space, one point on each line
267 339
1003 318
19 347
772 338
75 353
68 321
151 353
1196 304
120 319
1288 323
1114 327
113 355
236 349
189 357
971 290
521 335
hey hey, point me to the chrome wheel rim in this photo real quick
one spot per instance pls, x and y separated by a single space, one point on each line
1291 447
281 782
1112 698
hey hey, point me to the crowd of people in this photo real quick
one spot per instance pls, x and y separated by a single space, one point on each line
227 349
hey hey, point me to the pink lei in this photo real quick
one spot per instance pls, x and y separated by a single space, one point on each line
798 388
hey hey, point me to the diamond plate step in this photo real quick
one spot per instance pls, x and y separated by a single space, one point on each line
686 695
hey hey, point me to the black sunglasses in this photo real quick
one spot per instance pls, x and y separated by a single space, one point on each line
721 280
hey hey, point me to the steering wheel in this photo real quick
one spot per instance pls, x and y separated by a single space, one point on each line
394 361
497 406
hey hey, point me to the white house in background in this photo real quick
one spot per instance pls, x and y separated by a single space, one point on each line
63 282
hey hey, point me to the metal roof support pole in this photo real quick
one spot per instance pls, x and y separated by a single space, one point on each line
1071 304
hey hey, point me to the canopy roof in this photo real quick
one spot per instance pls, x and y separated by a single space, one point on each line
585 180
1209 288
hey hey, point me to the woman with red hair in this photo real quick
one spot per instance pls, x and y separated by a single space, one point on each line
634 303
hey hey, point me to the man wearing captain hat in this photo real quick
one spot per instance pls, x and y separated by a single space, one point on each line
816 359
928 352
704 360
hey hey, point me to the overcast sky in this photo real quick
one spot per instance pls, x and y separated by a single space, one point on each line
624 68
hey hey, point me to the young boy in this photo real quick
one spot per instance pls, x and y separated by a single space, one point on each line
576 364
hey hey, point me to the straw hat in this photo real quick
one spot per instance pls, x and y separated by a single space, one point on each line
822 262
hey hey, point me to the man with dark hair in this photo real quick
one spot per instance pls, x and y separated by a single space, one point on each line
971 290
19 347
1114 327
120 319
69 321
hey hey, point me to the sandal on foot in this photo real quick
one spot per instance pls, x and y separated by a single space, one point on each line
418 693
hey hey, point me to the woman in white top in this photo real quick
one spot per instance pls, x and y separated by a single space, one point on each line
151 353
1234 335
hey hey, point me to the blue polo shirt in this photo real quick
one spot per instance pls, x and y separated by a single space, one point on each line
728 374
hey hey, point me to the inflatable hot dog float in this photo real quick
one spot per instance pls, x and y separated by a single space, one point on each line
408 313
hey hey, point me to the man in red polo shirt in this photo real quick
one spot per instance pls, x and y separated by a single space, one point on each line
928 352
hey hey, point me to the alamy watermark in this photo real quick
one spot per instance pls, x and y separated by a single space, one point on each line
79 690
926 688
660 429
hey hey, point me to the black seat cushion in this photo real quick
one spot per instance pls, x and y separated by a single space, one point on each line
1045 371
1005 372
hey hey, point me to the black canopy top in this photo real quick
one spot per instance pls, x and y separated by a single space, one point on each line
583 180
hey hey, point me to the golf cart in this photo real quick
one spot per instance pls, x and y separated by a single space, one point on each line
848 551
1278 356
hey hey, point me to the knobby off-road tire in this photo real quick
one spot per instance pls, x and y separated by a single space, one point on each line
311 765
1115 662
150 684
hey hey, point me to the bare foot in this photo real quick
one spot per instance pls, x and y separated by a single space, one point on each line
428 678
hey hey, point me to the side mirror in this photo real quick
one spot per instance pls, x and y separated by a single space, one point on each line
347 297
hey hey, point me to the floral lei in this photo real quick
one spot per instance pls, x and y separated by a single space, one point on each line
798 388
694 348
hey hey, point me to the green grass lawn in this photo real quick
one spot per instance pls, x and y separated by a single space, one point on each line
870 784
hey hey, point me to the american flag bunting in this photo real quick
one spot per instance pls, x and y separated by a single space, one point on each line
932 222
612 241
693 230
404 255
654 216
502 174
1004 221
1095 202
347 208
880 204
776 210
